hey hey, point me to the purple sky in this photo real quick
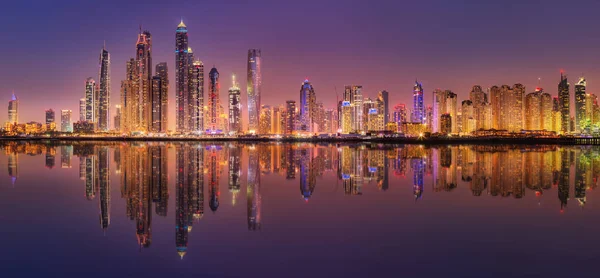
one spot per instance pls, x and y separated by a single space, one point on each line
51 47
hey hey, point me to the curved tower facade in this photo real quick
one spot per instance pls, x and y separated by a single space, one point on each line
254 84
213 101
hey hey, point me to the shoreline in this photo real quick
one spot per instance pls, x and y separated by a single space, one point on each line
417 141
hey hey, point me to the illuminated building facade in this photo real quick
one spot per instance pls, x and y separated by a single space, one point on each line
103 100
383 99
213 102
254 85
160 99
581 113
82 108
91 100
564 103
418 112
446 123
307 107
290 116
469 122
265 120
50 120
65 121
143 65
478 98
117 119
195 97
235 108
181 78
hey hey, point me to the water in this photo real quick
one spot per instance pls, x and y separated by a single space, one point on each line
297 210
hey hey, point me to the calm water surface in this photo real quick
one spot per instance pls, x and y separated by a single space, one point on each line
298 210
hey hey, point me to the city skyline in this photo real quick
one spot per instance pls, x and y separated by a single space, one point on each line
284 74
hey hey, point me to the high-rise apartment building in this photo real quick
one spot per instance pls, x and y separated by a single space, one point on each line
50 116
478 98
103 100
564 103
195 98
265 120
468 117
235 107
181 78
254 84
91 100
290 116
13 110
307 107
65 121
213 102
143 65
383 97
82 110
418 112
581 108
117 119
159 99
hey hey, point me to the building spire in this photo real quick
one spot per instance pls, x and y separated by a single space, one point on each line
181 24
13 95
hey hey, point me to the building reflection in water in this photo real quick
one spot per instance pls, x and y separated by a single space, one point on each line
496 171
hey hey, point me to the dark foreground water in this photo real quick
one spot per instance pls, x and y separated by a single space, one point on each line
298 210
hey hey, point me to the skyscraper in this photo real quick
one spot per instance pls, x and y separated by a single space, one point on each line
13 110
254 84
418 113
91 98
307 102
129 100
65 121
103 104
181 77
117 120
159 100
195 98
564 99
580 104
50 116
290 116
383 97
213 101
478 98
82 109
143 64
265 120
235 107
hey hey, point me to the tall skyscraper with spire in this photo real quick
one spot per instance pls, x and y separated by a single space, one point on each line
181 78
254 84
103 113
563 102
143 60
235 107
213 101
418 113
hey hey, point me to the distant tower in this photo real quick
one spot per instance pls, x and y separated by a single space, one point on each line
82 109
13 110
235 107
254 84
564 99
418 113
181 77
117 120
103 104
384 97
50 116
213 100
65 121
580 104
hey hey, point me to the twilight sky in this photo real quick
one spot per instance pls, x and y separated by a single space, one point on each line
49 48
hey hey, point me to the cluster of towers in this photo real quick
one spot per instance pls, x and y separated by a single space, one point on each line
502 108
